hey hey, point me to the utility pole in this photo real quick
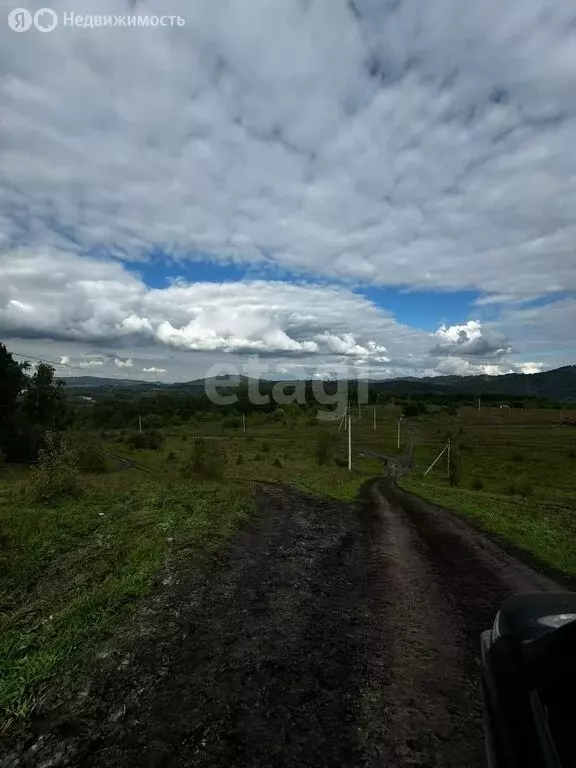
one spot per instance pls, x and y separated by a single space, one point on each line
349 440
449 450
479 403
140 422
244 422
399 420
359 411
374 419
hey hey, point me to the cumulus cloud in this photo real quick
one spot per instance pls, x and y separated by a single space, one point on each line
129 363
97 314
73 298
469 339
420 144
154 370
530 367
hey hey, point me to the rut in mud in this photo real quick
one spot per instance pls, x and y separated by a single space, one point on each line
330 635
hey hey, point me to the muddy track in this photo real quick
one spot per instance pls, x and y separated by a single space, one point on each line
329 635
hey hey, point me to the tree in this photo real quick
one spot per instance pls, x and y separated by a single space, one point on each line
29 405
44 401
12 381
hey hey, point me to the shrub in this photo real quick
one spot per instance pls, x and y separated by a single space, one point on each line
519 487
151 440
240 459
184 438
91 458
525 488
207 460
171 457
477 484
340 462
231 422
277 463
56 473
510 488
137 440
571 454
155 439
265 448
325 448
517 456
454 469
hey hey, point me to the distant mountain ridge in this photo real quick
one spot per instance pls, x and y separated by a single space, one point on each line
559 384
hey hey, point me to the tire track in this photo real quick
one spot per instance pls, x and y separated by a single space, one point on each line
330 635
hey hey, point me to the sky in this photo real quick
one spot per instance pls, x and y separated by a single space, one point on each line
291 188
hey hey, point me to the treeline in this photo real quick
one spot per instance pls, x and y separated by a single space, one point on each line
124 409
32 403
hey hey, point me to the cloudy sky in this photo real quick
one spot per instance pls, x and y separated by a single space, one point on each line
308 186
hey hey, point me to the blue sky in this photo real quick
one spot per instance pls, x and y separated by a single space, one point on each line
426 310
385 188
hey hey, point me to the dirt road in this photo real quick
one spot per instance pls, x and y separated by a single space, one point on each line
330 635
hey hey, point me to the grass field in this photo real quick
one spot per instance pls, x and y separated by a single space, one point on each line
73 569
517 477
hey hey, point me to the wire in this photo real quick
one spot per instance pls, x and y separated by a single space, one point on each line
50 362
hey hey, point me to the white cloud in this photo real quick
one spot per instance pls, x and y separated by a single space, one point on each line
470 339
530 367
107 303
154 370
129 363
95 314
421 144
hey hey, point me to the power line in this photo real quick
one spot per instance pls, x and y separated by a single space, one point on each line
50 362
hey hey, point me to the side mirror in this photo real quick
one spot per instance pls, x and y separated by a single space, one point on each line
528 676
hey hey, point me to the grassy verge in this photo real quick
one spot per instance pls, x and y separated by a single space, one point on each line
271 455
543 531
73 569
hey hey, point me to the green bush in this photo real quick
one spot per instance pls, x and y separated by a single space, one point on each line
517 456
137 440
56 473
519 487
325 448
454 469
240 459
207 460
265 448
92 459
340 462
477 484
571 454
151 440
277 463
